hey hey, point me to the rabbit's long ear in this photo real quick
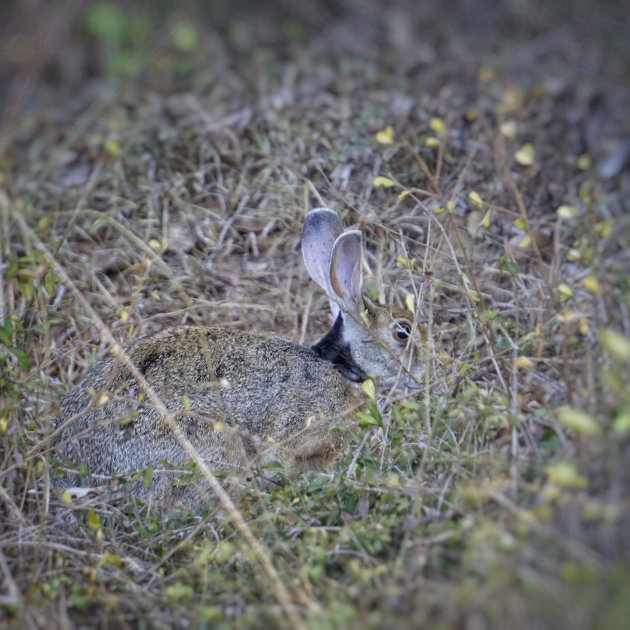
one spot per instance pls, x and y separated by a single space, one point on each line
321 229
345 271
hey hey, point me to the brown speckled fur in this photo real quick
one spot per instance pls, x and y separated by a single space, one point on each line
256 387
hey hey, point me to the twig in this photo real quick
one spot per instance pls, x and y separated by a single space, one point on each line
282 595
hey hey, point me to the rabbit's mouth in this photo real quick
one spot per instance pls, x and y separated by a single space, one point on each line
402 378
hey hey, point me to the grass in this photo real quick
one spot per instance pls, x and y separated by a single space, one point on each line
496 498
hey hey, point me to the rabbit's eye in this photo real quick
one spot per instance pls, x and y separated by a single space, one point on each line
401 331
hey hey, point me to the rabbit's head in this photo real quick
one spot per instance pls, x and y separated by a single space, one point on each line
367 339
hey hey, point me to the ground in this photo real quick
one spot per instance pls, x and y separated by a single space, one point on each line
156 164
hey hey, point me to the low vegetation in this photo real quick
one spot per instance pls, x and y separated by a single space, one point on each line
162 177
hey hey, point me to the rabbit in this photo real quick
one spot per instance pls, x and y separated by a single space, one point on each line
241 398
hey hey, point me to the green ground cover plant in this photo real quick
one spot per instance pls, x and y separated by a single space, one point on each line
156 165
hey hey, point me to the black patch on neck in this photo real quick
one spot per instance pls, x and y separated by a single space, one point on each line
332 348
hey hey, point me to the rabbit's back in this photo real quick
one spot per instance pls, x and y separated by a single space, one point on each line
239 397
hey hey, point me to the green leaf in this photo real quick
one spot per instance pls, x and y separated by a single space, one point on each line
147 477
106 21
185 36
6 333
49 282
225 552
615 343
365 419
566 475
179 592
272 465
577 420
621 424
25 287
371 288
22 359
12 267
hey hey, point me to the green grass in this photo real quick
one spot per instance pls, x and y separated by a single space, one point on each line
497 497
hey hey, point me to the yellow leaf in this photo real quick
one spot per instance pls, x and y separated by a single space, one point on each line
66 498
113 148
218 426
615 343
410 302
584 162
4 425
513 99
573 254
270 439
94 522
577 420
155 244
437 126
508 129
186 402
520 223
124 316
485 222
565 289
128 418
438 210
383 181
621 423
450 206
583 326
525 155
524 362
604 228
525 242
431 141
385 136
565 474
485 74
402 262
109 558
567 212
568 316
102 399
44 223
592 284
369 388
403 194
475 199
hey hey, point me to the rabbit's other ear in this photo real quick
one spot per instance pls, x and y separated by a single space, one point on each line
321 229
345 271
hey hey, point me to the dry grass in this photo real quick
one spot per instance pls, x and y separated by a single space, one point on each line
179 196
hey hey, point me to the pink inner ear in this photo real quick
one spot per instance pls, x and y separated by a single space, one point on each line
345 269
